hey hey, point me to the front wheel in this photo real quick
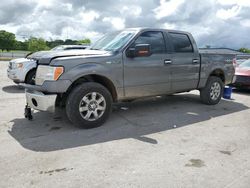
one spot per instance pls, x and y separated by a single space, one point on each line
30 78
212 92
89 105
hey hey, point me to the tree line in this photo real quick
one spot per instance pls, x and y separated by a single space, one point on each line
8 42
244 50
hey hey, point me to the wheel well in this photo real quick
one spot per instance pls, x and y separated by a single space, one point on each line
218 73
98 79
33 69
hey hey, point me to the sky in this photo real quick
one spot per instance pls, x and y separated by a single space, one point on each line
217 23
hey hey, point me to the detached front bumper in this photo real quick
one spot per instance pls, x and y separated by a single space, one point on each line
40 101
59 86
43 97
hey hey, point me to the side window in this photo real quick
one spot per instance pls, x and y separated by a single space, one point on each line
181 43
155 39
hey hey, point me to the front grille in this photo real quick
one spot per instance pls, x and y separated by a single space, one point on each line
10 65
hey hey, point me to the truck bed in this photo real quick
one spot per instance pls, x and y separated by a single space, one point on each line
210 59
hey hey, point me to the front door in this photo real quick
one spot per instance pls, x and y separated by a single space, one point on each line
147 76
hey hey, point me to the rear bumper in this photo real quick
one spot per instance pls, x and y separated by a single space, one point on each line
39 101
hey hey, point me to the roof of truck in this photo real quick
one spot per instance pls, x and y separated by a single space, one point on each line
159 29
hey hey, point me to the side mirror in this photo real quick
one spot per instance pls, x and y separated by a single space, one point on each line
140 50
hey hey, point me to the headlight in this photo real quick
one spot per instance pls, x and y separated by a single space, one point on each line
17 65
47 73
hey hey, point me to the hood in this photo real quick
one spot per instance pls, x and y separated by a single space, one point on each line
21 60
243 71
18 60
37 55
45 57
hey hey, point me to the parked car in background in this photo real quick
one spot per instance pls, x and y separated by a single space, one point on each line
69 47
23 70
239 61
240 58
242 75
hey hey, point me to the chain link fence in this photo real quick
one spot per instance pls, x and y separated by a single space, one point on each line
12 55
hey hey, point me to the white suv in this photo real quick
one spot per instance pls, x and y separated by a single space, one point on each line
23 70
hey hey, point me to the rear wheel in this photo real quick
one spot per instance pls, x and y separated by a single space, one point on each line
89 105
212 92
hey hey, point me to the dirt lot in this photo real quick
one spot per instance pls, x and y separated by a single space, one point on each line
172 141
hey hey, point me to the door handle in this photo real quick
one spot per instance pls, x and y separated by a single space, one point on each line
195 61
167 61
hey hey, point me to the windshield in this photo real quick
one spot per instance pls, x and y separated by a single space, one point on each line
113 41
245 63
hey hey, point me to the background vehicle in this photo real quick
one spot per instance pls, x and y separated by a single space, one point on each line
242 74
240 58
69 47
239 61
24 69
125 65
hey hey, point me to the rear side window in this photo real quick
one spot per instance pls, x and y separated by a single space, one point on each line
181 43
155 39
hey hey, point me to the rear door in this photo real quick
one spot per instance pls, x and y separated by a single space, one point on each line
185 63
145 76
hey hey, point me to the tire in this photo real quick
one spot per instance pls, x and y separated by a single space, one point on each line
212 92
93 112
30 78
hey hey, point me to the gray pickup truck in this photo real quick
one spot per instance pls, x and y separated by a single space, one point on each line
125 65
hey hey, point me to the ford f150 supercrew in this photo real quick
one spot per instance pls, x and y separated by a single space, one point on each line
125 65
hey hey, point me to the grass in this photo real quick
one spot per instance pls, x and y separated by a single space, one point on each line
12 54
16 51
5 59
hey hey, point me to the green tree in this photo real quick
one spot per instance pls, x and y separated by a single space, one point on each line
7 40
70 42
19 45
84 41
54 43
244 50
37 44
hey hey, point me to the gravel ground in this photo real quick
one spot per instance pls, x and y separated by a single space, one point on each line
171 141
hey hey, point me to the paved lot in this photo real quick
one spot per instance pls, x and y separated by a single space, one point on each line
172 141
